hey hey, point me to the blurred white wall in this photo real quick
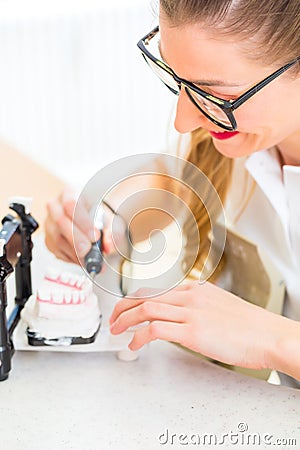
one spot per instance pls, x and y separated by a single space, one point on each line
75 92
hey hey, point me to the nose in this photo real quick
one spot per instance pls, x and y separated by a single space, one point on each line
188 117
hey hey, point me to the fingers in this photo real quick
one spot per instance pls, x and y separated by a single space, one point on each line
145 293
168 331
68 239
59 234
185 287
59 219
81 243
57 244
79 212
115 234
168 315
78 228
122 306
108 244
148 311
173 297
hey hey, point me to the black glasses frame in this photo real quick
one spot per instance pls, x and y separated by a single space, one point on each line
227 106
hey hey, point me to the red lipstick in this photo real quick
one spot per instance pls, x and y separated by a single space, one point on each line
223 135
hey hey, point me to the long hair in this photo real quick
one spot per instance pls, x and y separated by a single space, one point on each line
270 28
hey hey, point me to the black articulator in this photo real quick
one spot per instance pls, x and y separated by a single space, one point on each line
15 254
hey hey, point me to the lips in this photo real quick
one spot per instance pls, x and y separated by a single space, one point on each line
223 135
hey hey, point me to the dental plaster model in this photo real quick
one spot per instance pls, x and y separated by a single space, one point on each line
64 311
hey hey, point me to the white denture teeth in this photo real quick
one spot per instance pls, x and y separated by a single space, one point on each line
43 295
57 297
82 297
67 298
72 281
80 282
75 298
87 285
64 277
64 305
52 274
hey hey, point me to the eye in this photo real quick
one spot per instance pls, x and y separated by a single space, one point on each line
223 96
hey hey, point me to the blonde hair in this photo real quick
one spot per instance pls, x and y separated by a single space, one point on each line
269 27
218 169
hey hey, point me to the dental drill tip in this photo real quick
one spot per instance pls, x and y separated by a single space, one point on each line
94 259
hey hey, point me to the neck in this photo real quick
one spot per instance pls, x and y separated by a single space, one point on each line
289 150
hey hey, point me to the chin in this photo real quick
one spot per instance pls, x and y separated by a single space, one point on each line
230 151
233 149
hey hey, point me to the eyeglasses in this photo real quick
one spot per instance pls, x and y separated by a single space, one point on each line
216 109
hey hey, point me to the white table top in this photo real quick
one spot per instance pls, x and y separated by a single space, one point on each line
94 401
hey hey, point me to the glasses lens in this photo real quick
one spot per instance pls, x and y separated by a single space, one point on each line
165 76
209 108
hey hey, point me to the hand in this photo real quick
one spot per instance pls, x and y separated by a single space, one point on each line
60 228
205 319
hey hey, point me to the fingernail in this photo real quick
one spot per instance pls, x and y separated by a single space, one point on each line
108 245
112 328
92 235
83 248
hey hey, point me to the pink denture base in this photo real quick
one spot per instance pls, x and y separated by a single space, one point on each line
64 302
58 281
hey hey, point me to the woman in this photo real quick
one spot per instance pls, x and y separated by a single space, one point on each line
213 52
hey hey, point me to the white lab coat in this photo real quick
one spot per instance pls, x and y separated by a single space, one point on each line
271 216
270 219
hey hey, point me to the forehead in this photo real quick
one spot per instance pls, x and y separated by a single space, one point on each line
194 53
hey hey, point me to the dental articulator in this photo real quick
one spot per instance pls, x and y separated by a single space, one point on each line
64 313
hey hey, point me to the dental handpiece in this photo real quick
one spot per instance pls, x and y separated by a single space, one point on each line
94 259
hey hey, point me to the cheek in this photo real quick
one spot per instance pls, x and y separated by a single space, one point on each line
269 108
257 113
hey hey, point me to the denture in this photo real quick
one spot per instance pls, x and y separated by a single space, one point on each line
63 295
64 306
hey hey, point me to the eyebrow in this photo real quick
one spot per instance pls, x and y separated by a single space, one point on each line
215 83
206 83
